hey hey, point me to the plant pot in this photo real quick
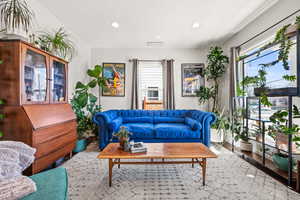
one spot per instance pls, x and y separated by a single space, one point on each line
123 141
281 161
215 136
291 30
246 146
80 145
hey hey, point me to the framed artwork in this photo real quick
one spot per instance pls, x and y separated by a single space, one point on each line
115 75
191 78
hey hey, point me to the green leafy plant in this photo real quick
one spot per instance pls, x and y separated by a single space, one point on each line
15 14
237 125
280 125
222 124
57 43
122 133
216 67
84 101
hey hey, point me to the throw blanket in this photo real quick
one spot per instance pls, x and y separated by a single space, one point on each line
16 188
15 157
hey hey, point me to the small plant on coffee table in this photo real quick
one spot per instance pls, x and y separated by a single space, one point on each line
123 135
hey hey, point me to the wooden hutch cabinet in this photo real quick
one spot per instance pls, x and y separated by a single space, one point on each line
33 85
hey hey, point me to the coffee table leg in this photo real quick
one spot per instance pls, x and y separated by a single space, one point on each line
110 166
203 170
119 164
193 163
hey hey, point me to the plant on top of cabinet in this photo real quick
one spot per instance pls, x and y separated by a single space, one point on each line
15 15
57 43
216 67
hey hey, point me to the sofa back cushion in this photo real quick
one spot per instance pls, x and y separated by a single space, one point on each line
138 119
158 120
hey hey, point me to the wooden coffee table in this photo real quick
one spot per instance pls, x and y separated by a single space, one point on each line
193 152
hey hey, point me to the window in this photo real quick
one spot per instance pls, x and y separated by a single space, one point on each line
151 85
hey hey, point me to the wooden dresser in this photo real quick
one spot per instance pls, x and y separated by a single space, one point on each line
33 84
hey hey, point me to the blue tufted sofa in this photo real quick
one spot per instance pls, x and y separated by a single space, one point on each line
156 125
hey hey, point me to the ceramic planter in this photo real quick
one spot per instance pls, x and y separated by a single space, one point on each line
281 161
215 137
246 146
80 145
123 141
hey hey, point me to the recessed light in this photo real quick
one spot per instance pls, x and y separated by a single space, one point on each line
196 25
115 24
157 37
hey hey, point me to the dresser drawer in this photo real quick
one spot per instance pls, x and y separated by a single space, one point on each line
51 132
43 162
52 145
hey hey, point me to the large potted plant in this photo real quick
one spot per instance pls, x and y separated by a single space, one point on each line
57 43
84 104
220 128
16 18
216 67
279 128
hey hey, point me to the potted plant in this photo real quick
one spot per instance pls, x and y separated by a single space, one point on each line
57 43
16 18
240 134
216 67
123 136
84 104
220 128
280 127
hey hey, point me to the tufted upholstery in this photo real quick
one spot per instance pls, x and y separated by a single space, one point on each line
156 125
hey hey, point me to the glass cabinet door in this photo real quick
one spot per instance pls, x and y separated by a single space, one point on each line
58 82
35 77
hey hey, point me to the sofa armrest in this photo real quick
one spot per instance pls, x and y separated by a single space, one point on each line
103 119
206 119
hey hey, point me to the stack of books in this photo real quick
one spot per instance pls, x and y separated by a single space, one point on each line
138 147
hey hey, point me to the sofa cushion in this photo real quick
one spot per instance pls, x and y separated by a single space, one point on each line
51 184
140 130
193 124
158 120
175 130
138 119
115 124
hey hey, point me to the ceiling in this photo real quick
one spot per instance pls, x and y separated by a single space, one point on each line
141 21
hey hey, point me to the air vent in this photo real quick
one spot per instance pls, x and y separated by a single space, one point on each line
155 44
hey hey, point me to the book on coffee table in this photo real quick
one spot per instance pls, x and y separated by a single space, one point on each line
138 147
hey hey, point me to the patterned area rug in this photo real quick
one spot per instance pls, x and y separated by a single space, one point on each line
228 177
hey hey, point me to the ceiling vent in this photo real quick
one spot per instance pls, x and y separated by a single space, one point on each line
155 44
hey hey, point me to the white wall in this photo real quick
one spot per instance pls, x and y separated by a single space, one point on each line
123 55
45 20
279 11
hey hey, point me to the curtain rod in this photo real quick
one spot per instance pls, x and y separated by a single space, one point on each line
255 36
130 60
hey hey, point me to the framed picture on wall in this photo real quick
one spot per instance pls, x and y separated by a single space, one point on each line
191 78
115 83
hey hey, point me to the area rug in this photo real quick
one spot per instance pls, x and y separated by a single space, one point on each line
228 177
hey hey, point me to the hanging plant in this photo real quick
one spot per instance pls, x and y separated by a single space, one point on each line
15 14
57 43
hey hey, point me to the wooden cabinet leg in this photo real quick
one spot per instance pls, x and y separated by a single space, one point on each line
203 170
110 166
298 176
